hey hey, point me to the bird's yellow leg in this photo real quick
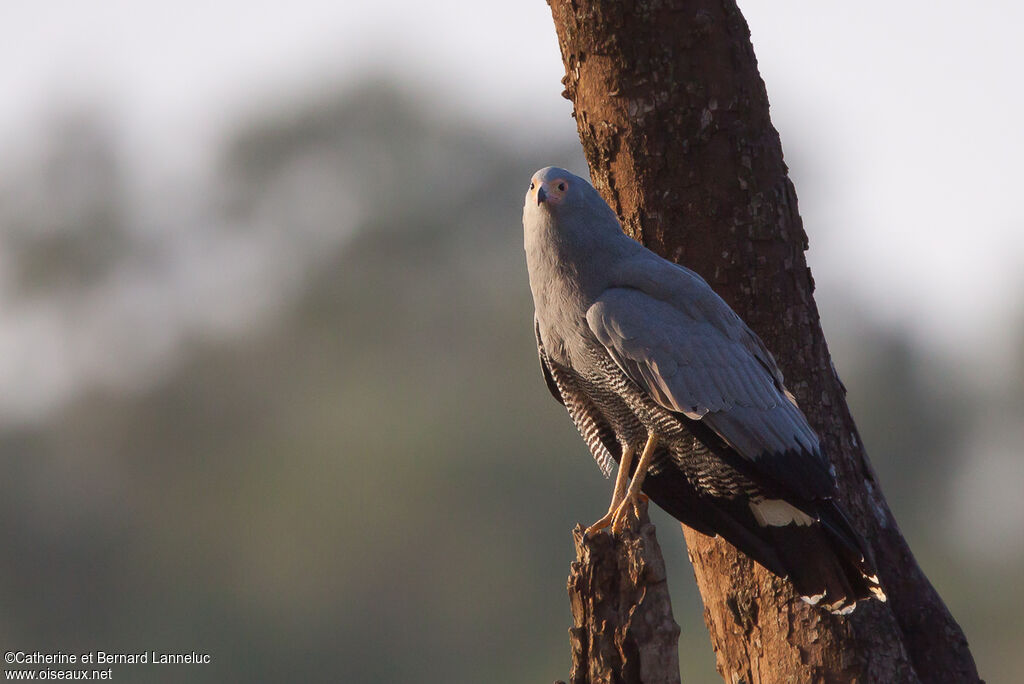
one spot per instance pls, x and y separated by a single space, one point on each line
621 479
633 494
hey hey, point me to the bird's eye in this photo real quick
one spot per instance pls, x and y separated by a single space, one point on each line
531 185
561 187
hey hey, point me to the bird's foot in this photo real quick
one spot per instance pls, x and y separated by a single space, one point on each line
617 517
626 499
620 518
601 524
630 501
621 484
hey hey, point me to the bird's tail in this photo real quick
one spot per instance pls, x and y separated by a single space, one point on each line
827 562
825 559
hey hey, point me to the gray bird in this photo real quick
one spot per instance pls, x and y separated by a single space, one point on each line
649 360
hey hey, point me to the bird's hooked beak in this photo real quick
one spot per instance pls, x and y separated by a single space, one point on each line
541 195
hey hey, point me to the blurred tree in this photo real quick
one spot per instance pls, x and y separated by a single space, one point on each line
65 223
673 117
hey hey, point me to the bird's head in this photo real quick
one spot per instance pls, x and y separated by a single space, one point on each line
552 188
563 205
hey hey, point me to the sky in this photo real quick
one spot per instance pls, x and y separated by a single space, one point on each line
900 121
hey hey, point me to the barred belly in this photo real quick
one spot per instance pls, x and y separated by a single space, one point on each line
633 414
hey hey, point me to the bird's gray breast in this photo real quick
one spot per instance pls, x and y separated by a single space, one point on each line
561 312
564 282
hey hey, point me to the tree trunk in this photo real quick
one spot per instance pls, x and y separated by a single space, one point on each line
673 117
623 631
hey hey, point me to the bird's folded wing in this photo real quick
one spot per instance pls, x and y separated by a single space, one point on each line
692 354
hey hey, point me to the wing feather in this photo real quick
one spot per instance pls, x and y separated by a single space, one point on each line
693 355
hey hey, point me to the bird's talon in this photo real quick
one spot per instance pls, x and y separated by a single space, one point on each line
621 517
604 522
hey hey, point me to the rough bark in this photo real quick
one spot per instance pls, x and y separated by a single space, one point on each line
623 631
673 117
